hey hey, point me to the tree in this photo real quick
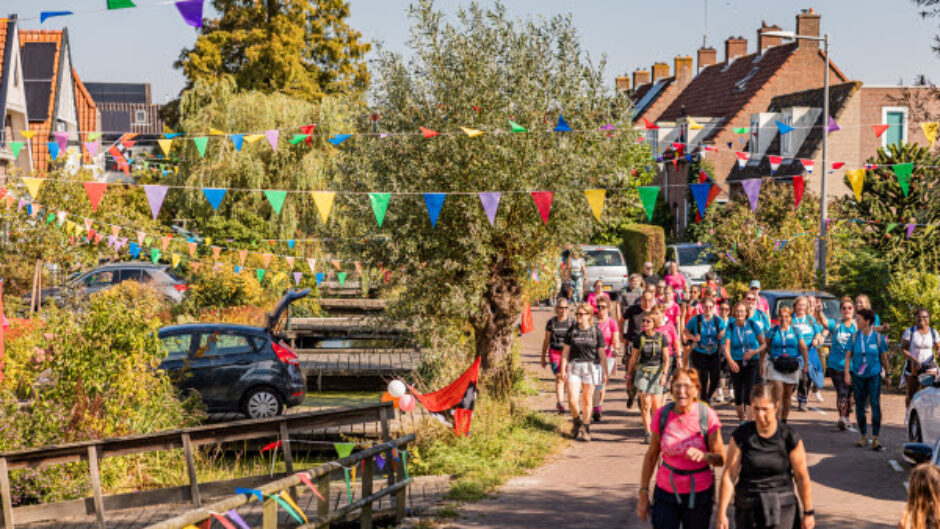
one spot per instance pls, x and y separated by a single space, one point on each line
302 48
479 73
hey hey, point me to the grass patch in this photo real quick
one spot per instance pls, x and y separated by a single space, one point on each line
448 512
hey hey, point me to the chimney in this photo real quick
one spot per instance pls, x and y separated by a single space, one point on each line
764 42
706 57
807 23
640 78
735 47
683 69
660 71
623 83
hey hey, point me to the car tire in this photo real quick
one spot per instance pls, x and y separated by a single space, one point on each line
914 433
262 403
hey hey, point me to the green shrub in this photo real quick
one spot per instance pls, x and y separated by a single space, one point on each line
641 243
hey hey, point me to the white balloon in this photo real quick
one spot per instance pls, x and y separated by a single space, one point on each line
396 388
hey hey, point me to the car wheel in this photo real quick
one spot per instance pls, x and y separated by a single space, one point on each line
261 403
914 434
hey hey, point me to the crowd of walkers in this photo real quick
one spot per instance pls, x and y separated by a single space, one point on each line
690 343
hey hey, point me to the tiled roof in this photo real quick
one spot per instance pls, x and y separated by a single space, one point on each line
722 90
3 44
43 128
645 99
87 114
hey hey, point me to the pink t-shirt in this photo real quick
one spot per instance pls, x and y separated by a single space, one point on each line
672 313
669 331
610 329
683 432
676 281
592 300
763 305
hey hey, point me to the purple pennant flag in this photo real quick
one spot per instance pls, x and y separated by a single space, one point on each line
155 196
271 135
121 243
92 147
191 11
490 201
910 230
297 276
235 517
833 126
22 204
62 138
112 242
379 461
608 126
752 190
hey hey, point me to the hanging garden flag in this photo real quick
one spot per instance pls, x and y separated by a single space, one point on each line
297 276
32 185
16 147
191 11
324 202
339 138
62 138
837 165
930 131
880 129
775 162
276 199
473 133
434 202
27 133
562 125
910 230
742 130
543 201
752 190
783 128
43 15
515 127
595 198
798 186
134 250
191 247
201 145
428 133
92 147
341 277
379 203
237 140
700 193
648 196
260 273
297 138
53 149
902 171
319 276
833 126
266 259
95 190
175 260
856 178
649 124
272 135
490 201
165 146
743 157
694 125
154 255
120 4
808 165
290 261
214 196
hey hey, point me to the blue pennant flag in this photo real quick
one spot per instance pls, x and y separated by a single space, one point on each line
237 141
339 138
214 196
783 127
562 125
319 277
238 269
171 135
134 249
43 15
434 202
700 192
254 492
291 243
53 149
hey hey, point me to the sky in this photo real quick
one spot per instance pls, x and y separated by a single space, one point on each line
870 41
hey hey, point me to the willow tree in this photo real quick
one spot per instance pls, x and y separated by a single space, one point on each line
479 72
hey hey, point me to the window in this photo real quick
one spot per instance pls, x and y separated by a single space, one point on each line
140 117
896 117
218 344
177 346
652 138
129 275
603 258
99 278
755 126
696 255
786 140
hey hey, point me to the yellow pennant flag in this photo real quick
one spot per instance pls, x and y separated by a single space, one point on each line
595 198
930 131
857 179
694 125
27 133
175 259
324 202
251 138
288 500
336 264
473 133
165 146
32 185
215 132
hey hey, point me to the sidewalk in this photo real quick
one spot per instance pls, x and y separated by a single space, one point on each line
595 485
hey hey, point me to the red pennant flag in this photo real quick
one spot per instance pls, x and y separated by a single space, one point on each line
702 176
120 159
880 129
675 164
712 149
272 446
743 157
453 404
808 165
95 190
526 325
713 193
775 162
837 165
649 125
128 143
428 133
308 130
797 190
543 201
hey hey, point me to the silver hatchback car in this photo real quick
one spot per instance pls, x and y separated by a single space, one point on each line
604 263
159 277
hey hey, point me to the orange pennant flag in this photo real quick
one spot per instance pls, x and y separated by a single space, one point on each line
428 133
335 264
266 259
164 242
192 249
242 254
215 252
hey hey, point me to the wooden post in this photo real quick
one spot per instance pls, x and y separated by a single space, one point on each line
323 487
96 485
400 496
383 420
34 302
191 470
365 514
288 457
5 494
269 514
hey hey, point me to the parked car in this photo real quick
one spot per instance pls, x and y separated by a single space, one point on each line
694 259
160 277
785 298
605 263
923 423
237 368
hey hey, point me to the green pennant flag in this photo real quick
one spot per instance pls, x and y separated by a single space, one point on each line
201 145
298 138
276 199
903 173
648 195
379 205
515 127
16 147
341 276
348 485
344 449
742 130
120 4
49 218
147 240
260 272
154 255
280 501
891 227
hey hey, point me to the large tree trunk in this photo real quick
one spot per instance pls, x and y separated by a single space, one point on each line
493 322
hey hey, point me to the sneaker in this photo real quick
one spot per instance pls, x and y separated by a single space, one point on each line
876 444
862 443
596 414
721 396
561 409
819 396
801 406
647 437
841 424
731 395
586 433
575 427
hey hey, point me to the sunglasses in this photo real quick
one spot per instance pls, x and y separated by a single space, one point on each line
583 313
755 288
848 307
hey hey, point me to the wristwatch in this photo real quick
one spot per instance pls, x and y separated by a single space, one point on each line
811 512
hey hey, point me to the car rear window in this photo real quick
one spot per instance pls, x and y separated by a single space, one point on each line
177 346
221 344
830 307
603 258
172 276
696 255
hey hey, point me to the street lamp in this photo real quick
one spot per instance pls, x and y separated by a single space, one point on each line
821 242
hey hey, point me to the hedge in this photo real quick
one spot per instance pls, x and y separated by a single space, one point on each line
641 243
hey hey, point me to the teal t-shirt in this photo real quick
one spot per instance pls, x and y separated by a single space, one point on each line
786 343
743 338
866 353
841 334
708 329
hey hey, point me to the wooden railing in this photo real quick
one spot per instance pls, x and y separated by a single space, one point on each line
186 439
397 486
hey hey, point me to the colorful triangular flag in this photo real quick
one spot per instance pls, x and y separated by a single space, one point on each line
775 162
543 202
324 203
434 202
201 143
856 178
752 190
214 196
562 125
649 124
902 171
648 195
490 201
339 138
16 147
272 135
798 187
694 125
95 190
515 127
700 192
595 198
473 133
120 4
276 199
237 140
743 158
808 165
379 203
930 131
428 133
880 129
783 128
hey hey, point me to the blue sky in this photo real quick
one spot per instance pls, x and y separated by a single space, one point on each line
870 42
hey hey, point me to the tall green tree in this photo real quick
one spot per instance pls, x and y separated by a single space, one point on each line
478 73
303 48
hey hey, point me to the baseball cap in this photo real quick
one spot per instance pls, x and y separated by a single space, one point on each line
755 284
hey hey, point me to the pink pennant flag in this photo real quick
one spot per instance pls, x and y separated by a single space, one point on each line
775 162
910 230
743 157
215 252
290 261
88 223
242 254
92 147
808 165
140 237
312 263
192 249
155 196
272 135
752 190
266 259
297 276
62 138
797 190
543 201
490 201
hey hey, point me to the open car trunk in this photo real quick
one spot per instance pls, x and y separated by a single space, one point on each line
277 318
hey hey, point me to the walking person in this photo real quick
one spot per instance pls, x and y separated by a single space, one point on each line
630 294
754 288
649 276
706 331
923 499
676 279
787 358
671 308
687 436
611 332
755 314
576 273
669 331
862 301
649 360
555 331
765 458
744 345
841 332
632 326
723 310
919 344
864 360
597 290
581 367
693 305
812 337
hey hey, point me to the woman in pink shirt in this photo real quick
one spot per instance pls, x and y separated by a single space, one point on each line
675 279
596 293
611 332
689 441
671 308
669 331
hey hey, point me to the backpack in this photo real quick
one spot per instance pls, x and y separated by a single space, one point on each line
703 430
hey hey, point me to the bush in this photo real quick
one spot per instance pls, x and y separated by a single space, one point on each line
641 243
908 291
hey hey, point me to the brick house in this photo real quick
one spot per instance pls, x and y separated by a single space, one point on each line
12 100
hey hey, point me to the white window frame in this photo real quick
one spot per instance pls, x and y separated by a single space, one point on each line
137 114
652 139
755 129
904 123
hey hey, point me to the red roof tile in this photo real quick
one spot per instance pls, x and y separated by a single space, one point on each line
87 114
43 129
3 42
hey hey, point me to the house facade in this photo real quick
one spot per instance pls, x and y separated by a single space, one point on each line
12 101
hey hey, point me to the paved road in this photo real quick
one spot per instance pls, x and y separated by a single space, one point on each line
596 485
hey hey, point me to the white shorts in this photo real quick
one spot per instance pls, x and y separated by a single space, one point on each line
611 362
584 373
773 375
